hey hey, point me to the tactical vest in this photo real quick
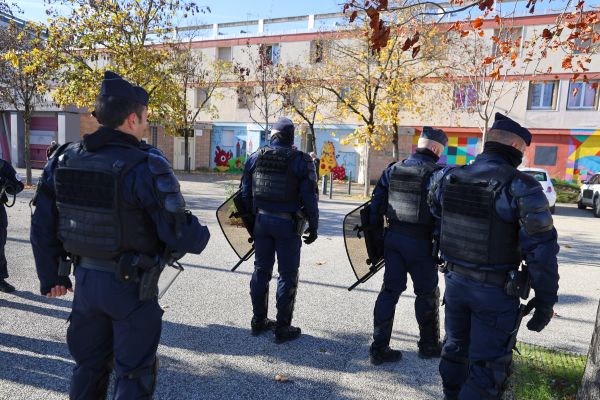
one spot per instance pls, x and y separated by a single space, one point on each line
273 179
407 194
94 221
471 229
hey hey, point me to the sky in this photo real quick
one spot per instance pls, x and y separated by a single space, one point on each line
224 10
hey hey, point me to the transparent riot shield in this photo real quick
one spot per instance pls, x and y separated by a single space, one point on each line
363 249
233 223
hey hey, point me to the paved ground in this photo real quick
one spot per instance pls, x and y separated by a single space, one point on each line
207 351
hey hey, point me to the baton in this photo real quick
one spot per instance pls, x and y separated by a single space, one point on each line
245 258
372 271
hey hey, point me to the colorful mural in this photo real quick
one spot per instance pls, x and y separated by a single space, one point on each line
341 159
460 150
229 148
584 155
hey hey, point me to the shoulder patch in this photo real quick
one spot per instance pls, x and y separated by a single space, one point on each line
158 164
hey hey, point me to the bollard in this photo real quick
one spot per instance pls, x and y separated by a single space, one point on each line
330 185
350 184
324 184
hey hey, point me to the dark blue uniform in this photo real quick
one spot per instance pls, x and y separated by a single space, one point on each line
110 325
275 230
480 316
12 185
407 250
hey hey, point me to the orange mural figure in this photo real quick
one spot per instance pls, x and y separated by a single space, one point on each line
328 161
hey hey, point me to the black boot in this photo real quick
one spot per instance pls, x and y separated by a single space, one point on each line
260 306
379 355
6 287
260 326
286 333
429 326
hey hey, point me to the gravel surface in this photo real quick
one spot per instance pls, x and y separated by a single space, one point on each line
207 351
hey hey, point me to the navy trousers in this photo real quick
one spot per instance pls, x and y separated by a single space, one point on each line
3 233
404 255
480 319
274 235
110 327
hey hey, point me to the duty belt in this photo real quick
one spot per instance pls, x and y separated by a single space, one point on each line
283 215
97 264
494 277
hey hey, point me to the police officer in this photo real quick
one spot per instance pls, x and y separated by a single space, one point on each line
401 195
10 184
492 218
114 206
279 183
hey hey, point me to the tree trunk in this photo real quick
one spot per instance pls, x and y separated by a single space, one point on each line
186 151
395 150
27 150
313 138
366 168
590 384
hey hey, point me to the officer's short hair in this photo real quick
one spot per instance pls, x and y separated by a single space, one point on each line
111 111
504 137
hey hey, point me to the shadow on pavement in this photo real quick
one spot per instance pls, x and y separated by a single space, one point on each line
567 211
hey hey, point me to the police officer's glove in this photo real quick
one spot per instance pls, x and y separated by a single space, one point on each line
311 237
541 316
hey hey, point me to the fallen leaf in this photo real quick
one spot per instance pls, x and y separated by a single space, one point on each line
282 378
321 262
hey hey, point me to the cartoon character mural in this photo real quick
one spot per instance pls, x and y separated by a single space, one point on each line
222 158
329 162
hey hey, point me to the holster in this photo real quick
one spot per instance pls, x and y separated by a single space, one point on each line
301 222
139 267
518 283
65 265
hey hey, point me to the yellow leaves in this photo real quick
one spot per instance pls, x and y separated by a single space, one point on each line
567 62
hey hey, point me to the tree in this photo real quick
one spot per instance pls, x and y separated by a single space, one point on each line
24 74
259 79
127 36
302 96
191 72
357 75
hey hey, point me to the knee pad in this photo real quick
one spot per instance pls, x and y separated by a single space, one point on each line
145 377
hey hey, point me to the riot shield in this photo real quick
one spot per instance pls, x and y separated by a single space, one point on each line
236 225
364 244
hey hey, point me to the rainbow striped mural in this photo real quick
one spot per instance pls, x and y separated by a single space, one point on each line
584 154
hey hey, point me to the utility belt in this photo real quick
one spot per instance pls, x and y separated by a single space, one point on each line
131 267
416 231
516 283
299 218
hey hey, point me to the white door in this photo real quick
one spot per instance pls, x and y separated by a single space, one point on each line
179 153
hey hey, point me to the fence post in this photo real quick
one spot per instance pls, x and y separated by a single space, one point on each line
350 184
324 185
330 185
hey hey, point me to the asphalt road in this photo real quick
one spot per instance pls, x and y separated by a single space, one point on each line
207 351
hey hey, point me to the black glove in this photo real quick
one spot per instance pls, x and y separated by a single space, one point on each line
311 237
541 316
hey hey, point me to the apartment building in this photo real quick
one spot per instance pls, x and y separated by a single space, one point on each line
562 114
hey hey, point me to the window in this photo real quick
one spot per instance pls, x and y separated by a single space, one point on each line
542 95
244 98
511 37
317 51
154 135
344 93
200 96
545 155
224 53
583 96
272 53
538 175
465 96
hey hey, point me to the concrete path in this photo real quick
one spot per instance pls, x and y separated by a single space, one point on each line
207 351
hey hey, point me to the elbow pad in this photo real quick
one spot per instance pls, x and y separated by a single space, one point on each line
166 184
534 210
